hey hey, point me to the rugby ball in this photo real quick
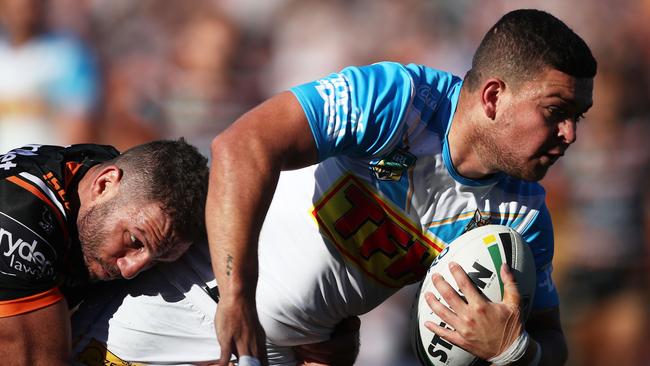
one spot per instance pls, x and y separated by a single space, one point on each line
480 252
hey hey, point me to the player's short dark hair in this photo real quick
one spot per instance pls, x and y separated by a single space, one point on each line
172 173
525 42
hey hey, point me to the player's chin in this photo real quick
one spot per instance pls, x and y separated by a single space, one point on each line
94 277
97 273
536 176
534 173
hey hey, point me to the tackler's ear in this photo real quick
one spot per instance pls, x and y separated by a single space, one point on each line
491 91
106 182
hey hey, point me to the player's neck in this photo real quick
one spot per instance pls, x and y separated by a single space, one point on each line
461 141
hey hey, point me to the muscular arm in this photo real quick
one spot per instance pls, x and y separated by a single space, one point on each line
40 337
246 162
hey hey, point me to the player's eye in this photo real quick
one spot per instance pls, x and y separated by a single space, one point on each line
556 112
135 243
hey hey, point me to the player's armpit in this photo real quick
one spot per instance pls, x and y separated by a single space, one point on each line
39 337
341 349
545 328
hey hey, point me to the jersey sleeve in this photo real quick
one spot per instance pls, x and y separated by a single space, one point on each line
539 236
359 111
29 257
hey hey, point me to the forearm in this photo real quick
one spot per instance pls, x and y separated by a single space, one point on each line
246 162
239 195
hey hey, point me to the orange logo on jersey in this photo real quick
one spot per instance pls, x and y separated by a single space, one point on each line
375 235
58 188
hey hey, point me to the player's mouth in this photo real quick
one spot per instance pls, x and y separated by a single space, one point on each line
101 272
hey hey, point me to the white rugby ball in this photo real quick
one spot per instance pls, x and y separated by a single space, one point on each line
480 252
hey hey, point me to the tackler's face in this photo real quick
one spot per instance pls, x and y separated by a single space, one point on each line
121 240
537 123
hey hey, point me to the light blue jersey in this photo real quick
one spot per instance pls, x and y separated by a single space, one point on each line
384 200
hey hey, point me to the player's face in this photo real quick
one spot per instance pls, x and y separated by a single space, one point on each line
536 124
121 240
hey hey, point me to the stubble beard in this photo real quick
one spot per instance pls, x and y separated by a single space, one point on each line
92 233
498 157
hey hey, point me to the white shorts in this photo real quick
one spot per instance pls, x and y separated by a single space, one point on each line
164 316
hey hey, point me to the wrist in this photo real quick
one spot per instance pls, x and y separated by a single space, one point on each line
237 286
514 352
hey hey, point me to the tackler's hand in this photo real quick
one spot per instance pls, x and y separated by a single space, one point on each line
239 331
481 327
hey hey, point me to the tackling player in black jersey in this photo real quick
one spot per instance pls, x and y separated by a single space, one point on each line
73 215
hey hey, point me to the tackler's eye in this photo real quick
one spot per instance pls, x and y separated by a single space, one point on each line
135 243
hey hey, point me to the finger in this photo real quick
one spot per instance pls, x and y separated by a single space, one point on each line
442 311
250 344
445 333
453 299
224 358
510 291
465 284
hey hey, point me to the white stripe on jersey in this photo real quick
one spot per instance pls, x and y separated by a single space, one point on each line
44 188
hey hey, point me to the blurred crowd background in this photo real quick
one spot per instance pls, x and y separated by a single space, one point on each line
123 72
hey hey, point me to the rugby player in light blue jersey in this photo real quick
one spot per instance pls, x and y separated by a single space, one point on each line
407 156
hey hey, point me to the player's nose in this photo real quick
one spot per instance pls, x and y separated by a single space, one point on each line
567 131
131 265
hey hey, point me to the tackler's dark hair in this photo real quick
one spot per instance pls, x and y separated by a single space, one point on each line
174 174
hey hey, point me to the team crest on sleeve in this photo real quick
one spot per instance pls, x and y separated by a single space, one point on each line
392 167
374 235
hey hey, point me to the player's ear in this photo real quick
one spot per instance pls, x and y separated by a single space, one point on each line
491 91
106 182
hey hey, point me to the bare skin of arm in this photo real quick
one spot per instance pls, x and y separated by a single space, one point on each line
246 162
40 337
476 321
